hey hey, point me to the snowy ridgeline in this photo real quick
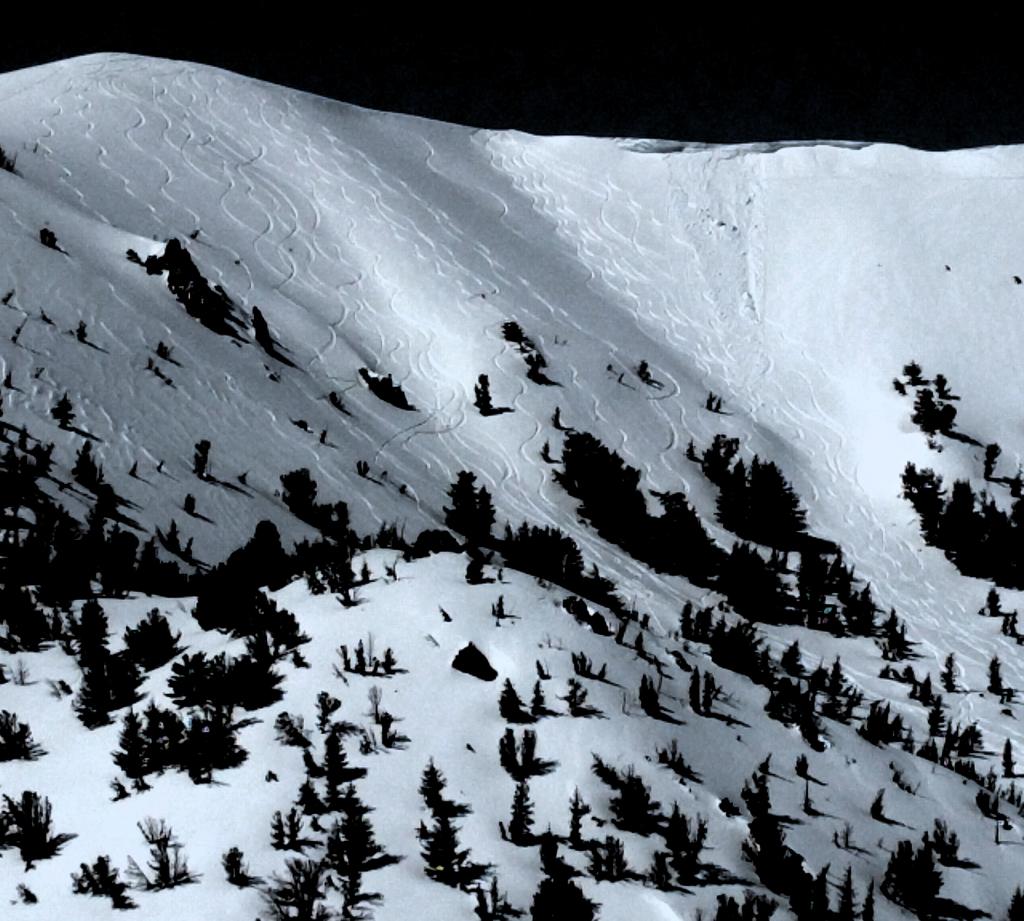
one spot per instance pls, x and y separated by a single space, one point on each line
633 435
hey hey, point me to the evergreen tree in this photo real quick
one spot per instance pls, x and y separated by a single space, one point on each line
867 912
16 742
633 808
791 661
86 471
685 841
1015 911
1009 769
538 705
101 880
511 706
521 825
336 769
445 861
992 452
561 900
432 787
27 824
91 632
131 755
63 412
151 643
949 674
471 512
608 860
482 396
911 878
352 850
201 459
578 809
696 702
493 904
300 895
235 869
995 676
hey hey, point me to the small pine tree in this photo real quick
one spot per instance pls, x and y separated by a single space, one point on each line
237 872
201 459
696 699
560 899
511 706
521 824
101 880
995 676
878 806
1009 769
336 769
131 754
167 865
992 452
300 895
578 809
27 824
351 850
445 861
63 412
538 705
16 742
482 396
867 912
949 674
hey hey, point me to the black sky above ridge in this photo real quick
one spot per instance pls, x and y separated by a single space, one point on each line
714 86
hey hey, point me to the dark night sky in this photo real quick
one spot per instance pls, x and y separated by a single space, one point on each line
714 84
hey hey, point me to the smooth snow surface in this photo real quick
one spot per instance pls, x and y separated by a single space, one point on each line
793 280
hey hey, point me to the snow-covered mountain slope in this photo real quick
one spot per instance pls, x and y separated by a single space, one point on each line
793 281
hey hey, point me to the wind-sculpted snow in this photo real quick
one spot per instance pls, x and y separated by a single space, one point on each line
793 281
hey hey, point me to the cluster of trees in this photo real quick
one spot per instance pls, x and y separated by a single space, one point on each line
975 534
798 697
160 740
912 880
784 871
384 388
551 555
349 848
934 412
757 504
299 493
677 862
535 361
40 537
109 680
611 501
209 305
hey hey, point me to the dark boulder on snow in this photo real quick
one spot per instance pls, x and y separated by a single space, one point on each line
473 662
